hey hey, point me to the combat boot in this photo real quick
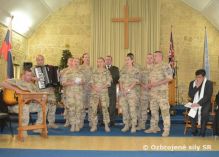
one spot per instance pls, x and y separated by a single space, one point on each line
152 130
141 126
67 124
77 129
125 129
81 125
52 125
93 129
107 129
133 129
72 128
166 133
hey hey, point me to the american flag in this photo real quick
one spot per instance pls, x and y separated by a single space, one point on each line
172 54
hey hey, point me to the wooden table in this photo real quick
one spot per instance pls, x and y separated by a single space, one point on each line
25 98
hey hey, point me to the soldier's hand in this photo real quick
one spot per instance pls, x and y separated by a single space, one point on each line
35 79
153 84
18 91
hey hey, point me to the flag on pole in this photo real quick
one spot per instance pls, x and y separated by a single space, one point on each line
172 54
206 64
5 51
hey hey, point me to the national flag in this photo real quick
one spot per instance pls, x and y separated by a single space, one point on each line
5 51
172 54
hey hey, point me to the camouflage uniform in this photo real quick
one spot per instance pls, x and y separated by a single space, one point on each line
129 101
159 97
138 90
144 98
51 104
100 79
87 71
65 114
27 108
74 97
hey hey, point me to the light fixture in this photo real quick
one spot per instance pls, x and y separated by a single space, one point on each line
21 22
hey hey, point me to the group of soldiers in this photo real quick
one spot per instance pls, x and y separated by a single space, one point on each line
87 88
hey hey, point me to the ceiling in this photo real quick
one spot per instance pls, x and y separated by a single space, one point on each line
29 14
208 8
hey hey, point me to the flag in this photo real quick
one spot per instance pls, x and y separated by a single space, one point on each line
172 54
5 51
206 64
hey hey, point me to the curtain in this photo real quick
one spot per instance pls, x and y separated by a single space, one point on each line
108 36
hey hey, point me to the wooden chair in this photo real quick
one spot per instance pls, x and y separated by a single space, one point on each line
209 125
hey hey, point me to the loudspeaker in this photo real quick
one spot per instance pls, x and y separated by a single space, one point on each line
27 65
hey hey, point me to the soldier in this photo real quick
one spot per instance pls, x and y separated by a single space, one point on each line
73 85
100 81
62 73
129 78
159 77
144 96
51 103
87 71
24 84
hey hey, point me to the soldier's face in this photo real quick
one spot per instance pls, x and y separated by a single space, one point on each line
158 58
40 60
70 60
108 60
76 62
150 59
86 58
128 61
100 63
27 76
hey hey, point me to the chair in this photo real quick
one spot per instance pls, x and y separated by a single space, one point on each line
4 116
209 125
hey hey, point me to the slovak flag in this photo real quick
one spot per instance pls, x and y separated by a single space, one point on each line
5 51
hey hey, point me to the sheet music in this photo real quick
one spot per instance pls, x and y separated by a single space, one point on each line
192 112
188 105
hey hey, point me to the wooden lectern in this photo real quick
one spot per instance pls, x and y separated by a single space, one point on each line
172 92
25 98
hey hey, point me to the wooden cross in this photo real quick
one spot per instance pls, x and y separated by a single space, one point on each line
126 21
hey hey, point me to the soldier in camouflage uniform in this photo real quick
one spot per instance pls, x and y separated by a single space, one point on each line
129 78
73 85
100 81
159 77
62 72
24 84
144 92
51 103
87 71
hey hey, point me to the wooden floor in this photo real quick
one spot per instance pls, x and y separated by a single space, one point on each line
112 143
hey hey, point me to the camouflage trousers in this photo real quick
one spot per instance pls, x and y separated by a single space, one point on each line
129 108
143 108
74 107
162 103
51 111
66 115
27 109
103 100
86 105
